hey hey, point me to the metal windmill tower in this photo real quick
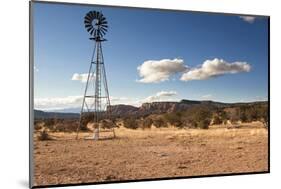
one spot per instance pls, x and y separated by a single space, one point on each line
96 102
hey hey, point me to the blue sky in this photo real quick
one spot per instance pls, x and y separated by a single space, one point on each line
179 43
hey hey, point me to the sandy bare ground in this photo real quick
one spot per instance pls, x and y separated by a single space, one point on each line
154 153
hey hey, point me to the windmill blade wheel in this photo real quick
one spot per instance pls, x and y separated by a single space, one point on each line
95 24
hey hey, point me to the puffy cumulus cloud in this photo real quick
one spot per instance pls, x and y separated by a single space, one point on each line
160 96
82 77
56 103
155 71
249 19
214 68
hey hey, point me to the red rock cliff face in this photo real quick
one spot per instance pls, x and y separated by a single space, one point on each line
161 107
166 107
148 108
121 110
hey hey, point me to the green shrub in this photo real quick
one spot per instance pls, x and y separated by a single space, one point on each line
43 135
49 123
37 126
244 116
146 123
130 123
174 119
263 115
159 122
223 116
200 117
217 120
203 124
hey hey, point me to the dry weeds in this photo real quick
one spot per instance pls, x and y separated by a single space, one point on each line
151 153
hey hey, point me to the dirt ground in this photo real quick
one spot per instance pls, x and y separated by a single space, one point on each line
153 153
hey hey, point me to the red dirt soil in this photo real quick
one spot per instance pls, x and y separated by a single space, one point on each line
146 154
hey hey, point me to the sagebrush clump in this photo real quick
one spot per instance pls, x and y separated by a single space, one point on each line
43 135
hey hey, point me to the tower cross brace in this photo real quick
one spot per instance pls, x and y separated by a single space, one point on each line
97 104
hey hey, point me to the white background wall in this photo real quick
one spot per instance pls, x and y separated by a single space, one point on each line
14 103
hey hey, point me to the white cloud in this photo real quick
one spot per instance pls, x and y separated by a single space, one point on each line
56 103
253 99
166 93
155 71
60 103
160 96
261 98
207 97
82 77
249 19
125 100
120 100
117 99
35 69
214 68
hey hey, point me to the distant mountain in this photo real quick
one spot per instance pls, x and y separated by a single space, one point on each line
121 109
204 102
67 110
38 114
220 104
167 107
146 108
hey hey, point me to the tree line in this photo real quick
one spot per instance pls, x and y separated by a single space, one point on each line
202 117
195 117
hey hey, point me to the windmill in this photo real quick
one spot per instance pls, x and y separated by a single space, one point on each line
96 102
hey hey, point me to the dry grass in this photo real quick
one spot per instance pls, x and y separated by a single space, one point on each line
151 153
